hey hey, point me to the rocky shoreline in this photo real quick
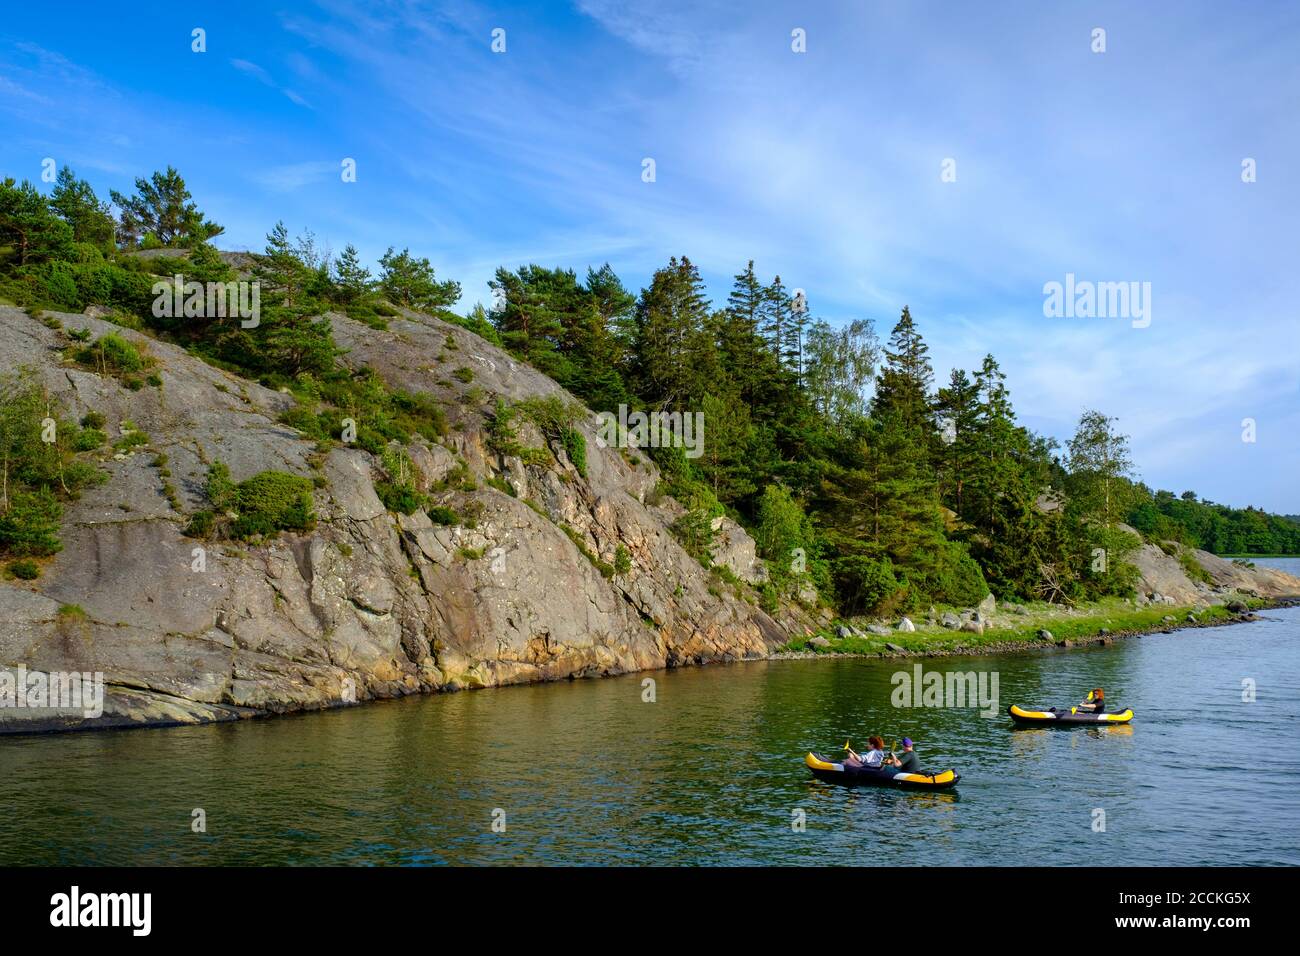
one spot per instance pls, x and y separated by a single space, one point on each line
540 568
998 647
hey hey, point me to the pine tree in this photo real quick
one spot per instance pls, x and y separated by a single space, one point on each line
739 340
279 269
75 202
163 208
351 277
909 523
600 343
997 444
725 462
777 316
27 224
410 282
792 346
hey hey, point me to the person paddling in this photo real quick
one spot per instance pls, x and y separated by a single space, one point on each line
873 757
907 761
1095 701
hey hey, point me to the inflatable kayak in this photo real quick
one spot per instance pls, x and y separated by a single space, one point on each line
1064 718
833 772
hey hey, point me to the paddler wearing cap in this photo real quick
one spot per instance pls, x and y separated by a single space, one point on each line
907 761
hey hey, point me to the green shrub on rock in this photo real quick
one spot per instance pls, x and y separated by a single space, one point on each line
439 514
88 439
959 579
398 490
113 354
30 526
272 501
201 525
25 569
575 446
865 584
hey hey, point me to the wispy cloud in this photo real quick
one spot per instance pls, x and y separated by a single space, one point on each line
297 175
258 73
659 30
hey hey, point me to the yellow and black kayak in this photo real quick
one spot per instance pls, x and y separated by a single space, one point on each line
852 776
1055 717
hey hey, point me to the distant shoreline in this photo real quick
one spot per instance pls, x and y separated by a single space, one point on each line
993 642
1229 557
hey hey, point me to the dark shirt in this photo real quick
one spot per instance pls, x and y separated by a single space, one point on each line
908 762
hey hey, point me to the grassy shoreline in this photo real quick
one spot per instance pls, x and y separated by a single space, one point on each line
1100 623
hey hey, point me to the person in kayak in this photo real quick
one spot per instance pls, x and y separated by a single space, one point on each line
1095 701
873 758
907 761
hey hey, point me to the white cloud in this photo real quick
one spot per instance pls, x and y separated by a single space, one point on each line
258 73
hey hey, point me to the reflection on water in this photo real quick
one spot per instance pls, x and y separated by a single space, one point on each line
711 773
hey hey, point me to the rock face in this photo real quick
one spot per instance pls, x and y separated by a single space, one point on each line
1163 580
369 604
734 549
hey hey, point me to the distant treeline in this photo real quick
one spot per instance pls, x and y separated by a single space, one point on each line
1212 527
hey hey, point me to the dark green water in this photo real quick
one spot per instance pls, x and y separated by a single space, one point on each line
708 774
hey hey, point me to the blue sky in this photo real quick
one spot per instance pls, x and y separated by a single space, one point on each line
823 166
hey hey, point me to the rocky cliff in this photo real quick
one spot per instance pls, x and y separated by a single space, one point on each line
370 603
553 569
1176 574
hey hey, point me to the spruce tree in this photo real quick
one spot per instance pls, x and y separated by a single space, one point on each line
672 319
350 276
957 408
905 382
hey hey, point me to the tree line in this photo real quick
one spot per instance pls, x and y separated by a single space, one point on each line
857 472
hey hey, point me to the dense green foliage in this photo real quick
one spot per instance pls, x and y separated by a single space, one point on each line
399 488
258 507
858 473
39 469
1218 529
915 494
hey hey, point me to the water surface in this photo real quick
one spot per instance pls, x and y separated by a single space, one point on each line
710 773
